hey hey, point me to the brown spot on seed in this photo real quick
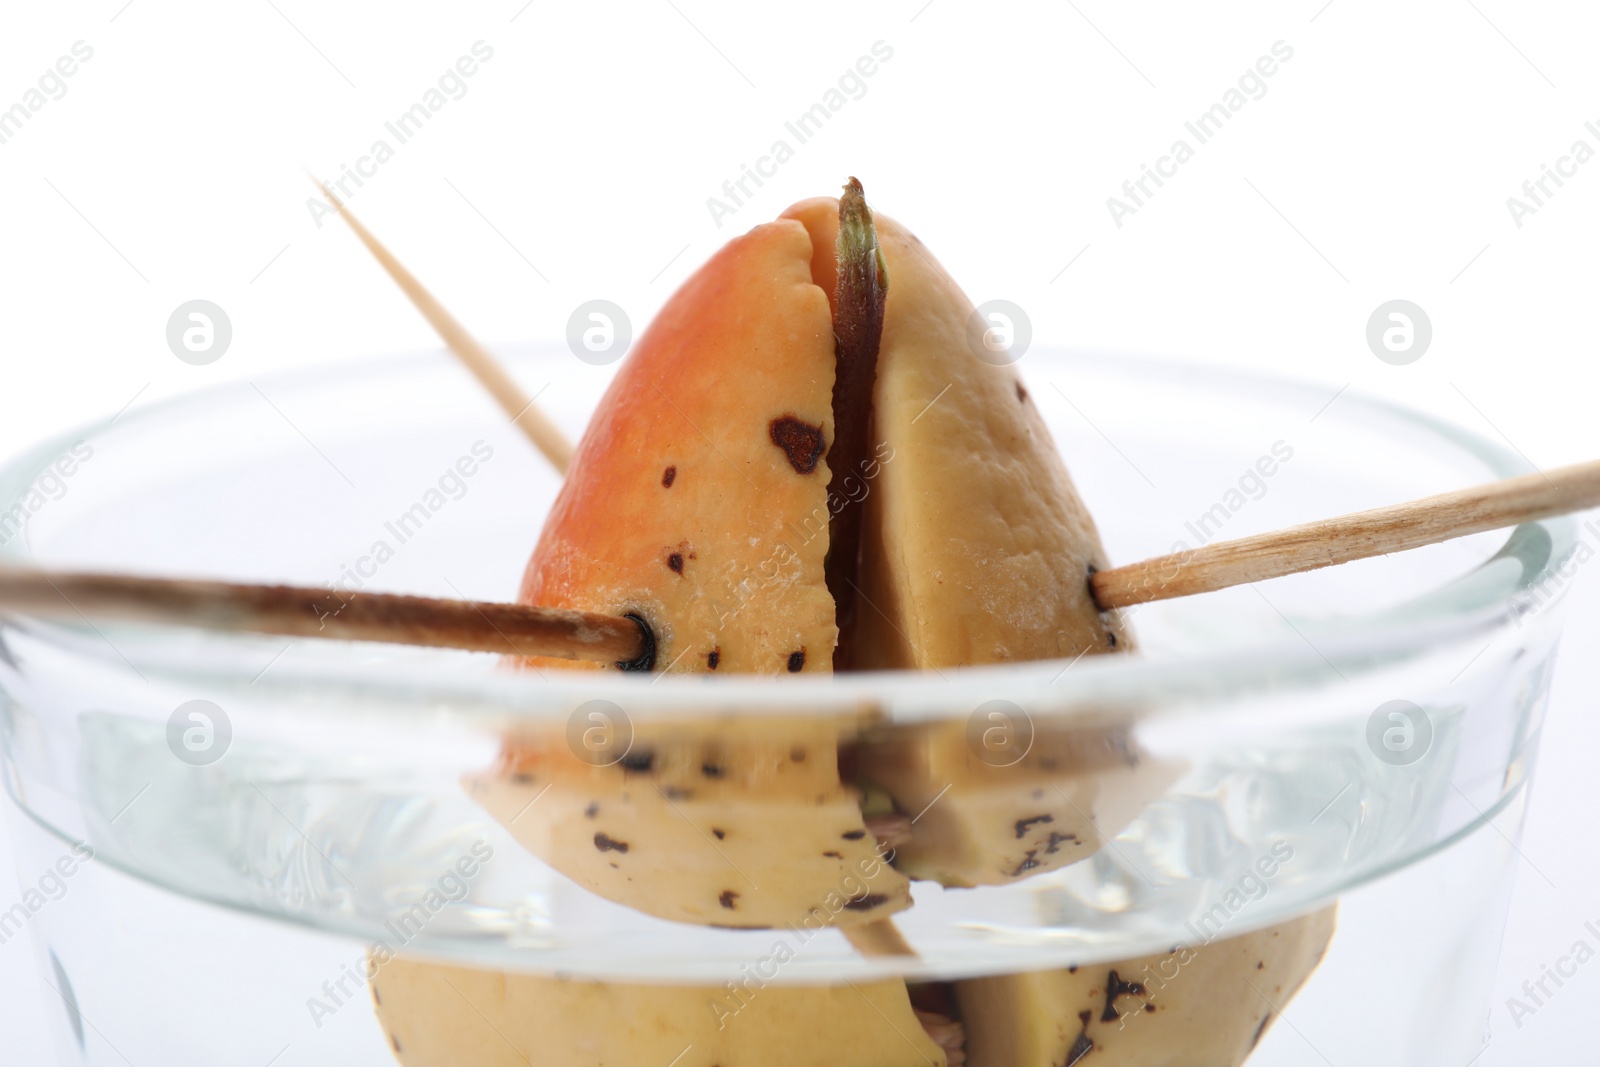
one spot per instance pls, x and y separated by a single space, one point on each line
720 833
1115 988
1028 863
727 898
1022 394
713 658
1023 824
834 855
711 770
797 660
1083 1046
593 809
668 476
638 762
854 835
609 844
800 441
1057 840
675 562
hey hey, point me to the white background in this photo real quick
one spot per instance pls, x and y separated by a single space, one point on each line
578 164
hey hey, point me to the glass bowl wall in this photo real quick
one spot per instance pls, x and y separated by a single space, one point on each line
342 799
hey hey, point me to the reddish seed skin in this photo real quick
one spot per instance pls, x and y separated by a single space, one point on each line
746 340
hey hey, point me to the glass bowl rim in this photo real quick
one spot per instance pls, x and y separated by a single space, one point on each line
1385 637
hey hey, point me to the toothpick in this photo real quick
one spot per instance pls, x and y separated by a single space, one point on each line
544 434
510 629
1357 536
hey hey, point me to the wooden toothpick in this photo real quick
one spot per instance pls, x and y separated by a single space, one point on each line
1357 536
510 629
544 434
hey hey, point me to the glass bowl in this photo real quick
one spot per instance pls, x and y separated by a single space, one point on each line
210 886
